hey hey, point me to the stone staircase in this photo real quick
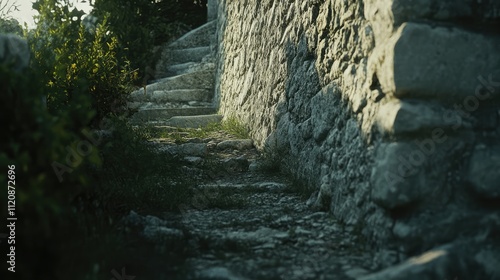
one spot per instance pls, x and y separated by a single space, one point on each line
182 93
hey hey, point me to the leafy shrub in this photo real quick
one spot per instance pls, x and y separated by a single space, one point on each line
61 222
76 62
34 140
83 78
135 174
10 25
140 25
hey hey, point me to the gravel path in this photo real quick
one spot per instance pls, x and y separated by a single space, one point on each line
245 223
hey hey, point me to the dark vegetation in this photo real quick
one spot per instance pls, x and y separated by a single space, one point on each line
78 166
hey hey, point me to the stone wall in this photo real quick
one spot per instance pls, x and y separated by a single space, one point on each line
390 108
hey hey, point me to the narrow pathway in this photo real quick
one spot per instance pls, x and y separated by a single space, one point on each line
242 222
246 223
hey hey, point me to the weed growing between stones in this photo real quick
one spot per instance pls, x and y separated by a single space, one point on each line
232 126
136 175
180 135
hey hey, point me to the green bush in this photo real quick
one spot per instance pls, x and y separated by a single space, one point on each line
140 25
34 140
76 62
66 225
10 25
66 203
136 175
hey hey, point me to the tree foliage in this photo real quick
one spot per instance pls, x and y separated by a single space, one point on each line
139 25
75 61
79 74
35 139
10 25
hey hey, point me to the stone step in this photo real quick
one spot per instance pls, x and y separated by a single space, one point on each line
144 105
176 95
198 37
193 121
164 114
188 67
196 80
172 124
178 56
179 69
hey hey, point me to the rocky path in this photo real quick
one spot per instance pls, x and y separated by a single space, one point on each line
246 223
242 221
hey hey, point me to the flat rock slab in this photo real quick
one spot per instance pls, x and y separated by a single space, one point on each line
248 225
175 95
188 67
236 144
197 37
447 260
196 80
181 95
271 235
190 150
218 273
193 121
423 61
188 55
173 116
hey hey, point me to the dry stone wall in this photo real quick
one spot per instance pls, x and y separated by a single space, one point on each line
390 108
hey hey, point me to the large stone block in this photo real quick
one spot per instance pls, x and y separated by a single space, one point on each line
198 37
387 14
188 55
484 171
195 80
458 260
422 61
404 117
397 177
14 51
181 95
194 121
164 114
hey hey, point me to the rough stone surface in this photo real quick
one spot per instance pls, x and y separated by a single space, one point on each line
193 121
396 12
346 92
250 225
411 62
181 95
195 80
237 144
178 95
484 171
245 225
198 37
167 114
403 117
188 149
388 109
453 261
188 55
188 67
211 10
